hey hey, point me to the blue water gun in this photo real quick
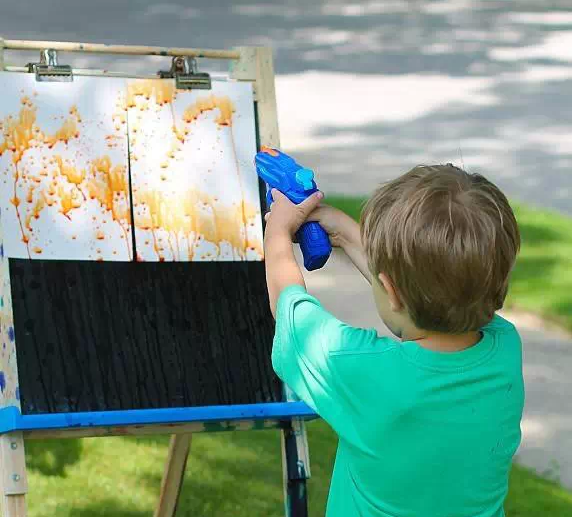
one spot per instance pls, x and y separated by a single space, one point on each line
297 183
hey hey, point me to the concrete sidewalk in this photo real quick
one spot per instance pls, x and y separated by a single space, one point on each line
547 422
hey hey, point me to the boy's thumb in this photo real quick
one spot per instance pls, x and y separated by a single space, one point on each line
310 204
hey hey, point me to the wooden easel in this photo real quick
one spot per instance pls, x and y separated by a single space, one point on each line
252 64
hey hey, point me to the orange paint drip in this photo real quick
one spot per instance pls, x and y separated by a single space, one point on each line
191 245
193 214
69 199
75 113
16 203
19 136
34 213
109 187
169 240
237 165
224 105
30 195
49 201
72 174
163 91
179 134
65 133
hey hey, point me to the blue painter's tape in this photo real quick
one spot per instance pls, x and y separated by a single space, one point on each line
12 420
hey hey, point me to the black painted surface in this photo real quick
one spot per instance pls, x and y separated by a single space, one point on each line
103 336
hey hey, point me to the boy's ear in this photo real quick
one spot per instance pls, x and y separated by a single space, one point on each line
394 300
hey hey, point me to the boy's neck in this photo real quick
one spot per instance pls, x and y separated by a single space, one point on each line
441 342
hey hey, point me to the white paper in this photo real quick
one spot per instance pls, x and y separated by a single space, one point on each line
195 188
63 169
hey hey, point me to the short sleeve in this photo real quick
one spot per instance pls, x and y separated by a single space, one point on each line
306 343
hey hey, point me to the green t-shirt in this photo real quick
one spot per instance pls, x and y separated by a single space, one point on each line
421 433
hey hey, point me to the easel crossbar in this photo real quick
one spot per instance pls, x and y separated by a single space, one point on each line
133 50
12 420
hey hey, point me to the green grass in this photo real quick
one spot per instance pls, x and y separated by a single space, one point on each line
236 474
240 474
542 278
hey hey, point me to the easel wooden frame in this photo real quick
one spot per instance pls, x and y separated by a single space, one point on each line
252 64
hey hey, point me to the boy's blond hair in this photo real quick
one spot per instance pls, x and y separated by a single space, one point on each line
448 240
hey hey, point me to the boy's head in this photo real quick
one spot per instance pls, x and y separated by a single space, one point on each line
444 242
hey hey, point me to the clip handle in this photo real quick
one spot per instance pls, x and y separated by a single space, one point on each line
49 57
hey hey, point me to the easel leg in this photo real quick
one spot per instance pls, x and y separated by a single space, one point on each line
173 475
296 468
13 478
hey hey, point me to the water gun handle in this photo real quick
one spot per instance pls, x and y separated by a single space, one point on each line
314 244
313 240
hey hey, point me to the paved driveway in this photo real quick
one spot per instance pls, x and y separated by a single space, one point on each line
368 89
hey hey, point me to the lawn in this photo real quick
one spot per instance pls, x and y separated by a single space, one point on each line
542 278
239 474
228 474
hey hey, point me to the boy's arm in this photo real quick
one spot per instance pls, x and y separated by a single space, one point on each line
282 269
308 340
282 222
344 233
354 250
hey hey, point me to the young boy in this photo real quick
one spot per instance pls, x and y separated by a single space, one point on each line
428 423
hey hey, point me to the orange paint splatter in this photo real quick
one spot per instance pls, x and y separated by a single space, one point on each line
163 91
191 215
224 104
65 133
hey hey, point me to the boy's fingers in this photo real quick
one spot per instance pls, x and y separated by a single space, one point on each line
277 195
309 205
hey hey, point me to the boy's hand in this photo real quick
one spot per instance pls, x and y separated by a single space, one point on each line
288 216
340 227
